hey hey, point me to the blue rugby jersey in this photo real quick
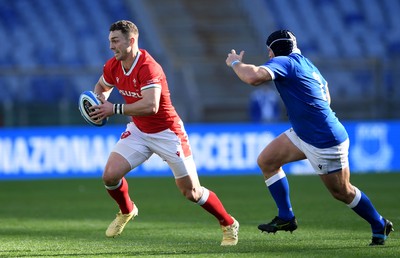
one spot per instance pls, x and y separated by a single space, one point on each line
303 91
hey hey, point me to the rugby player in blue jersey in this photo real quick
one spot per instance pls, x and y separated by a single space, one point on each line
316 134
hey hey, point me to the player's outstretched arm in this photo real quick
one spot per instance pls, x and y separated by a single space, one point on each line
248 73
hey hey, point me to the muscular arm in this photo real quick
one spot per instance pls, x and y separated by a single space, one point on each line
248 73
251 74
148 105
102 89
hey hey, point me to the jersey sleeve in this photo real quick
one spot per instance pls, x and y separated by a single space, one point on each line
278 67
150 76
107 74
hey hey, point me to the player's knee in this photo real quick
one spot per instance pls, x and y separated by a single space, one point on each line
191 194
262 162
266 165
337 195
107 180
342 195
110 178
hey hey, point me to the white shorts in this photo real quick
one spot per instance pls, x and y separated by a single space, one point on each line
324 161
173 147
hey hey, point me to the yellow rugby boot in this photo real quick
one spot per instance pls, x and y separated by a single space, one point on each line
230 233
118 224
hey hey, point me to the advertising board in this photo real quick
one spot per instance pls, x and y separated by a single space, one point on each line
218 149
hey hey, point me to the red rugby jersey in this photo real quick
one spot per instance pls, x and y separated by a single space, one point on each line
144 72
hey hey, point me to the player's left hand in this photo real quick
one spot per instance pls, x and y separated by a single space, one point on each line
233 56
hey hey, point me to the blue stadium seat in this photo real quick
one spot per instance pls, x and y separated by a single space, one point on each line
54 34
344 29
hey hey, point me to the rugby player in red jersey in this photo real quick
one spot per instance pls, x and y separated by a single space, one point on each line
155 128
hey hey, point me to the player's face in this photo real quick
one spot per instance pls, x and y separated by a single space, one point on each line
119 44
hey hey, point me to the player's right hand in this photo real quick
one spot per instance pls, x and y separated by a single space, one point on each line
233 56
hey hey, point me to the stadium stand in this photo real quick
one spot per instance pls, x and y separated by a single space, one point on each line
53 50
360 36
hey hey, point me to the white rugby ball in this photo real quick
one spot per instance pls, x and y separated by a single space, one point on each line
86 100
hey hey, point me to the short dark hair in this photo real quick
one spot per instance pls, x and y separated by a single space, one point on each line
282 42
126 27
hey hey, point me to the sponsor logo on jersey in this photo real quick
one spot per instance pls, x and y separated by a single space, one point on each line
130 94
154 81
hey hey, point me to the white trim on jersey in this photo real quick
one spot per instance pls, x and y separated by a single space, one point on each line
151 86
269 71
106 83
133 65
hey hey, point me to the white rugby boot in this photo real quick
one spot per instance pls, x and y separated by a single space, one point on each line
118 224
230 233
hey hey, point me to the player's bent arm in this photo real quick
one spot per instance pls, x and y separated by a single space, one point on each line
106 108
148 105
102 89
251 74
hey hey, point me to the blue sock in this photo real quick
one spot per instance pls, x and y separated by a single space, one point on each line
365 209
278 186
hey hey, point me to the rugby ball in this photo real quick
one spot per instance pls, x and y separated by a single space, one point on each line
86 100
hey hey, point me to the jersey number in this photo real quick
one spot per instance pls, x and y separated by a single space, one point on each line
321 85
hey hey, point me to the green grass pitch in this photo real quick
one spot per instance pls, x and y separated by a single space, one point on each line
68 218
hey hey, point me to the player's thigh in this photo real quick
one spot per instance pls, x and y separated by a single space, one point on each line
185 173
127 154
117 166
175 151
280 151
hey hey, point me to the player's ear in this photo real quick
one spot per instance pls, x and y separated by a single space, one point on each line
271 53
132 40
